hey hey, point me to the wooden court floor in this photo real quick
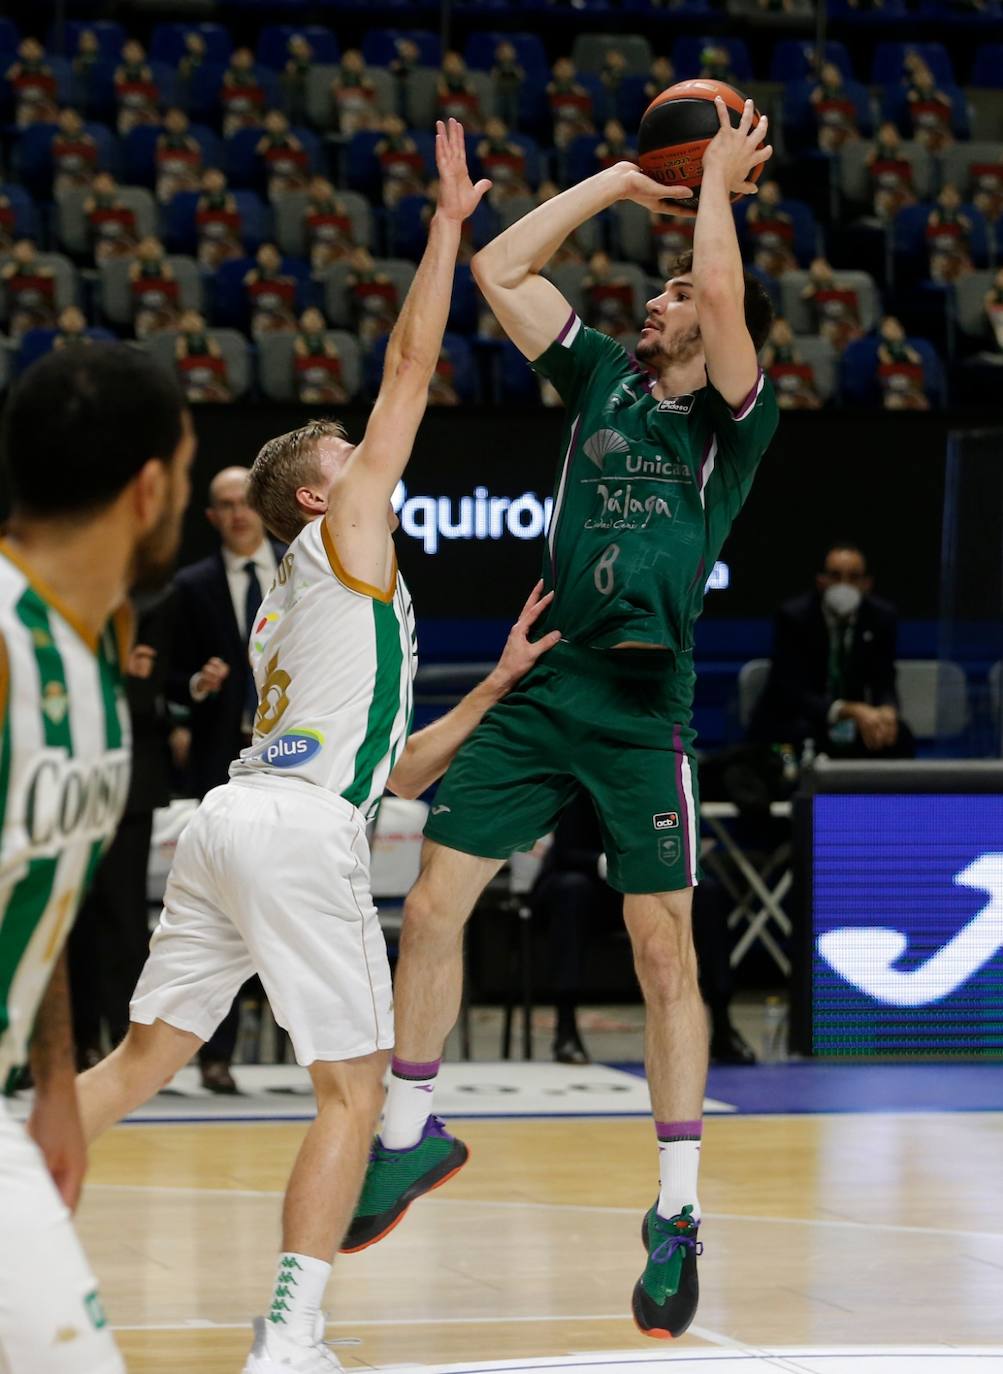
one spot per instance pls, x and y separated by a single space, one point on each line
832 1230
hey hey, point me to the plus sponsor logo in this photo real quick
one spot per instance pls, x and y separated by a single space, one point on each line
74 799
293 750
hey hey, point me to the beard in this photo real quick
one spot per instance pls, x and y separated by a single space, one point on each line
154 556
660 353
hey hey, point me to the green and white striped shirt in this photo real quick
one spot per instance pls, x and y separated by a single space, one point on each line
64 774
334 662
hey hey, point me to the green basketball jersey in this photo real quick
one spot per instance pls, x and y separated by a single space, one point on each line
64 774
645 496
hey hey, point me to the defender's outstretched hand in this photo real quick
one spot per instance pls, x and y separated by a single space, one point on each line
520 652
458 196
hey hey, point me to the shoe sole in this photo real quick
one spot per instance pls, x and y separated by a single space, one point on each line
417 1189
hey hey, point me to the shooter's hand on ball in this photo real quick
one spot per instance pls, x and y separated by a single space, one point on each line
653 195
733 152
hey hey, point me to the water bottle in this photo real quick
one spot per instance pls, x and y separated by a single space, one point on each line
774 1048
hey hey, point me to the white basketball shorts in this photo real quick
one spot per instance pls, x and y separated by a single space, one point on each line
271 876
51 1320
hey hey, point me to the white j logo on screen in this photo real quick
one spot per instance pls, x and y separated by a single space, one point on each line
864 955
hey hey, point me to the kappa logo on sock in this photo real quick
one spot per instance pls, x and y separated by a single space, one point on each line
424 1087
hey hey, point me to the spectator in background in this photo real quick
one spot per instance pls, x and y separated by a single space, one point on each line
609 298
71 328
930 111
87 55
442 388
193 60
400 162
242 94
456 95
900 370
155 299
178 157
217 222
30 288
317 363
834 304
373 299
329 231
406 60
948 232
993 301
611 78
33 86
8 225
354 96
832 675
670 238
835 113
294 76
216 606
769 231
661 76
74 154
136 92
109 942
271 294
715 64
890 172
286 164
503 161
793 378
201 366
508 79
987 189
111 223
614 146
570 104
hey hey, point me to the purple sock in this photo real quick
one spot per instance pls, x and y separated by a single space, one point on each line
678 1130
404 1068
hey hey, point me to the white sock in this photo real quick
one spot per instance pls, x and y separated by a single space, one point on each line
409 1102
678 1166
299 1290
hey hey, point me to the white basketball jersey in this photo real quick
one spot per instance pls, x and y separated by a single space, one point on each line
334 663
64 775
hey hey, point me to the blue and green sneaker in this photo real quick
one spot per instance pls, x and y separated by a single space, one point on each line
666 1295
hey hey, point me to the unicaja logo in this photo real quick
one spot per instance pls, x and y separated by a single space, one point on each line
293 749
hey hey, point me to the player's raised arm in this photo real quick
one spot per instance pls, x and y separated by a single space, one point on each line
529 308
718 275
413 349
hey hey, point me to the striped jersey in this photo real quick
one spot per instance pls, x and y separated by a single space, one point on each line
334 662
646 495
64 775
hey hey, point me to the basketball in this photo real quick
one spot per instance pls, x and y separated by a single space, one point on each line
677 126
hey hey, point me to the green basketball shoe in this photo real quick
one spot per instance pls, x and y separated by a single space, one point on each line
666 1295
396 1177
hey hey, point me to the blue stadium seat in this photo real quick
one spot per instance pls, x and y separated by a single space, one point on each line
895 107
272 50
243 166
463 305
229 307
800 126
518 381
580 158
890 10
179 221
858 372
9 38
379 46
988 68
480 52
945 13
168 42
362 170
909 236
465 378
806 235
110 35
887 68
139 152
792 59
37 342
200 96
95 94
686 56
26 218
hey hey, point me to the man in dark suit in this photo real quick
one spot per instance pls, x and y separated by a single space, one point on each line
832 678
216 602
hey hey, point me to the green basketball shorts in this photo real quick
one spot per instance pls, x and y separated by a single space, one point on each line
614 722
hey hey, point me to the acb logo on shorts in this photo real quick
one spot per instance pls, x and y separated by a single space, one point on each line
666 820
293 750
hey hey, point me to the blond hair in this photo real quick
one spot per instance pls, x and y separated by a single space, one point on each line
286 463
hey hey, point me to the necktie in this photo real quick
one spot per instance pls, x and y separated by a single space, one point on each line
252 603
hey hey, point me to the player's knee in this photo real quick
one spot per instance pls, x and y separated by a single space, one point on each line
354 1085
666 967
426 915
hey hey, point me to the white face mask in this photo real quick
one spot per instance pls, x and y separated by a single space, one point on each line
842 599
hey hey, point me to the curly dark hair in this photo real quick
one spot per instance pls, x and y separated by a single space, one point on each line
758 306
